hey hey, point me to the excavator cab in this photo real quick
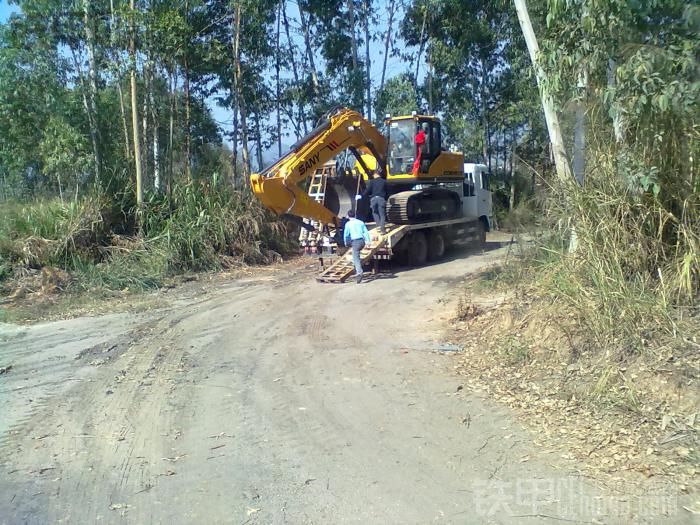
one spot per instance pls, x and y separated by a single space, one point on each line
433 141
401 136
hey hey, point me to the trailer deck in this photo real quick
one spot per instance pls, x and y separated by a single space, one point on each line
380 247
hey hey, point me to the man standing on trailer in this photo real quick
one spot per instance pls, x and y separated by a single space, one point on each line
356 236
376 189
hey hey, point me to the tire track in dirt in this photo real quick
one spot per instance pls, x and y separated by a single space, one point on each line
43 360
120 430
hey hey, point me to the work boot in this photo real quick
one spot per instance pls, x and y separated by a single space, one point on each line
358 279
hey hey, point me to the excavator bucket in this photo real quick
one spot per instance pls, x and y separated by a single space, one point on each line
289 199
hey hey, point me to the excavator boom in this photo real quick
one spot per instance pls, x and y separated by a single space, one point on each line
278 186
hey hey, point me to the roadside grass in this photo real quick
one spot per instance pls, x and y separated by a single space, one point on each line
633 279
93 244
50 232
599 343
515 351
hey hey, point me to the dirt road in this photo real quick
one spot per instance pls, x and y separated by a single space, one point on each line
277 400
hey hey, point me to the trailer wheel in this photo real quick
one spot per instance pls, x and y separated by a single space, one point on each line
417 249
436 246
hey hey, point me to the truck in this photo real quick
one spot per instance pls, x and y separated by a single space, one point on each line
433 203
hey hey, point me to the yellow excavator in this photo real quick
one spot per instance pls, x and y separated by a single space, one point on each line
416 193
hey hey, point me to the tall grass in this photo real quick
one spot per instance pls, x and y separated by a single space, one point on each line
201 226
203 221
52 232
634 275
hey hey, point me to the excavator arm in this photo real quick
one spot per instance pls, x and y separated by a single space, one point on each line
278 186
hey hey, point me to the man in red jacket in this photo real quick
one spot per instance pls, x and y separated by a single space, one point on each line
421 139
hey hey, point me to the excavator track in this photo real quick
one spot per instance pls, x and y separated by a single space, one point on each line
417 206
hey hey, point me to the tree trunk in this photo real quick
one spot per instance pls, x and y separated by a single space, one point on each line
86 106
368 64
125 125
387 43
488 141
156 143
617 115
172 73
242 109
244 140
353 39
234 98
421 43
188 131
309 52
245 152
430 82
258 141
555 135
579 161
511 201
277 80
122 106
505 147
157 183
486 124
295 72
92 87
135 108
234 141
485 116
144 121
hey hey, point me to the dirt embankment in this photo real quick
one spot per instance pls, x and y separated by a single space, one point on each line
624 420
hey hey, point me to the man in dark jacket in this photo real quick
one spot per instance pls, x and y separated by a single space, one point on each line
376 190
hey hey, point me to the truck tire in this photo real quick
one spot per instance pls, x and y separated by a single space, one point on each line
417 249
436 246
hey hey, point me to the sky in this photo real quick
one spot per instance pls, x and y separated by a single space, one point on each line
224 116
6 10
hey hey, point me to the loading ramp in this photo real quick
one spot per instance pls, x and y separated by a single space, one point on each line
343 268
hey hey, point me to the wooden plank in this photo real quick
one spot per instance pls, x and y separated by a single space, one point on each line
343 268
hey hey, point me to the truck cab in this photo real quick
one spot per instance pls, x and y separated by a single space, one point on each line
477 195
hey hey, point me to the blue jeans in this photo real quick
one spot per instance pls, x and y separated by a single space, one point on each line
357 246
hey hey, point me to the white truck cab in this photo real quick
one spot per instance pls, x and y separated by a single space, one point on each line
477 195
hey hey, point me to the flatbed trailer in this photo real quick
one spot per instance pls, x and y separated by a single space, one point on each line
412 244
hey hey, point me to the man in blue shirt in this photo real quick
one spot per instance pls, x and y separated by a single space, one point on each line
356 236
